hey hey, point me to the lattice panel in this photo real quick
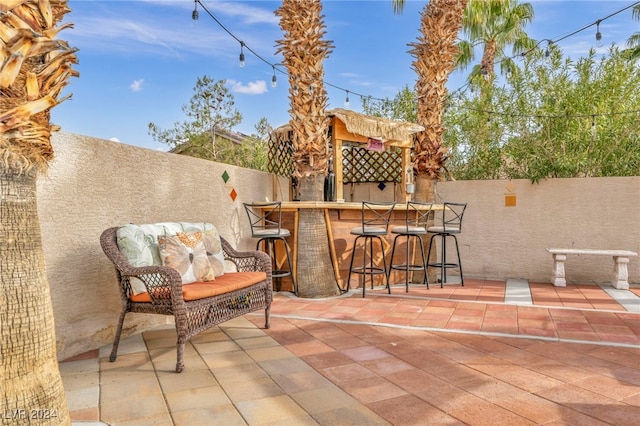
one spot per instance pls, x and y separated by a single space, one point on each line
362 165
280 162
359 164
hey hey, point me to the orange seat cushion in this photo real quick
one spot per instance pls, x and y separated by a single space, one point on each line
223 284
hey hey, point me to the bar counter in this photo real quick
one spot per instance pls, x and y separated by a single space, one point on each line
340 218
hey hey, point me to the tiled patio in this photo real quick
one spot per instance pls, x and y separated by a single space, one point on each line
491 352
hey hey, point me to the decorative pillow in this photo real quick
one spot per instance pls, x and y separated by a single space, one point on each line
139 244
213 245
186 253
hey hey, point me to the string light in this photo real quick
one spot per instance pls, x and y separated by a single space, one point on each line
346 101
546 51
195 15
241 54
274 79
598 34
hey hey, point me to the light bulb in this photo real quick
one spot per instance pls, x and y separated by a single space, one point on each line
242 54
195 15
598 34
346 101
274 81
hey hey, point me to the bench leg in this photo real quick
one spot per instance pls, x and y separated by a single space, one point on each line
557 277
620 273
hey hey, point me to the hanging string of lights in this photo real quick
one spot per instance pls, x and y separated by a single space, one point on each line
277 67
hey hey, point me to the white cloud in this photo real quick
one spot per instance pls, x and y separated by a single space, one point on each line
136 86
257 87
114 139
163 27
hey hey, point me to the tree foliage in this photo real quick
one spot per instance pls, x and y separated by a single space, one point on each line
633 42
494 25
206 133
554 117
401 107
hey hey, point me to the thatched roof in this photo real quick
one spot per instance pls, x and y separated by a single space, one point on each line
397 133
375 127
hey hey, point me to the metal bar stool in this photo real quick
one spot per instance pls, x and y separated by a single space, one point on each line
451 226
375 225
417 215
266 226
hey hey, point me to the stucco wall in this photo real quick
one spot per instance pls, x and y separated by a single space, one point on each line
509 242
94 184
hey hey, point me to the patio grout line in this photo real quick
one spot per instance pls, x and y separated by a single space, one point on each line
489 302
456 331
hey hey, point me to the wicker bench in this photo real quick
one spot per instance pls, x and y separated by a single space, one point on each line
620 279
196 306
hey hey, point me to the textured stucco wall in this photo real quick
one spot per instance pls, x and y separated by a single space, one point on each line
94 184
509 242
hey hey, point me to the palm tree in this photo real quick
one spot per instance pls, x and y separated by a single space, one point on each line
494 24
34 67
633 42
304 50
435 55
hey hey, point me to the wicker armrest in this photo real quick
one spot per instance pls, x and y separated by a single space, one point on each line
162 282
247 261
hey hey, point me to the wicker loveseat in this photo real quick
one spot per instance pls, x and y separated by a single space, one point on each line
242 281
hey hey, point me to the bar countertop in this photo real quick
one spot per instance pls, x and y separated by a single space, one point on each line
338 205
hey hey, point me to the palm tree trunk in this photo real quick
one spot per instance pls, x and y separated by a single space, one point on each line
488 59
304 51
35 68
32 389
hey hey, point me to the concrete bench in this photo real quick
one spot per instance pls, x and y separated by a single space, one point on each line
620 260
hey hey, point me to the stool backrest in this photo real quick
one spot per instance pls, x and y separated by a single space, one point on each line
264 218
376 214
418 213
452 216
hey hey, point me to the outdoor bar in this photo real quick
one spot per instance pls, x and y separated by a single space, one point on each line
372 158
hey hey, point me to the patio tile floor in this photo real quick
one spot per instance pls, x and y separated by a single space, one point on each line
452 355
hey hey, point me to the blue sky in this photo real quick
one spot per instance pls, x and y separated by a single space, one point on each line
139 60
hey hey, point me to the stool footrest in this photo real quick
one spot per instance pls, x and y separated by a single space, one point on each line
410 267
368 270
280 273
446 265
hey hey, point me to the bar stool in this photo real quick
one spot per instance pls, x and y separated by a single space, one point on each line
375 225
417 215
266 226
451 226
